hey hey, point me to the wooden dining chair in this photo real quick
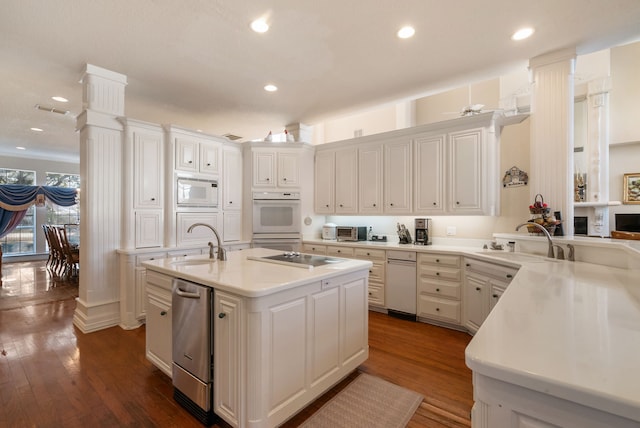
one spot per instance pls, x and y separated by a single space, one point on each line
71 255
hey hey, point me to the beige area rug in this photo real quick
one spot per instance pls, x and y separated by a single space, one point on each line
367 401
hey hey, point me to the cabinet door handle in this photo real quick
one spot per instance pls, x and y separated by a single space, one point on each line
437 309
368 254
457 203
509 275
374 205
437 260
153 199
208 164
163 313
370 293
391 204
477 288
268 179
190 161
222 315
437 273
327 205
468 264
495 296
230 202
284 179
341 205
434 204
370 271
438 290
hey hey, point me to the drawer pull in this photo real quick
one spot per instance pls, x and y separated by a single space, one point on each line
370 293
495 296
477 288
208 164
468 264
437 309
163 313
438 290
374 205
368 254
437 273
437 260
509 275
370 271
222 315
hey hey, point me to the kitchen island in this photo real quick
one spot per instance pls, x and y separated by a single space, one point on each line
283 335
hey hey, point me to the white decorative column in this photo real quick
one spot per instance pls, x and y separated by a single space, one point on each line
98 304
552 132
598 156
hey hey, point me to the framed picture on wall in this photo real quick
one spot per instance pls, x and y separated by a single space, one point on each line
631 186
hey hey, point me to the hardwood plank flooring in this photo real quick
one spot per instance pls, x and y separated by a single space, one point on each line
52 375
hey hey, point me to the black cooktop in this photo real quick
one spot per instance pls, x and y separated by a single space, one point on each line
303 259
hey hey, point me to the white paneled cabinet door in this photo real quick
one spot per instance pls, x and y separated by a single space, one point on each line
325 337
429 172
232 228
158 329
288 169
147 171
324 182
210 158
232 178
227 357
148 225
466 175
346 184
264 168
354 316
398 176
370 179
187 154
476 290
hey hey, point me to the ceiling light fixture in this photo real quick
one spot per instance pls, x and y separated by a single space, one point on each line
270 88
37 129
260 26
51 109
406 32
522 34
21 148
60 99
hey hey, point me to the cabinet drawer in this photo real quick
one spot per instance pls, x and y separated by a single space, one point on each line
339 251
503 273
149 256
447 289
365 253
159 280
376 273
185 253
314 249
376 295
432 307
440 272
439 259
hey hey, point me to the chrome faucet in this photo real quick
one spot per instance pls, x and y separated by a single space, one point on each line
545 231
222 253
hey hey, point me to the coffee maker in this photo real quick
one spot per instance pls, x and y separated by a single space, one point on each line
423 231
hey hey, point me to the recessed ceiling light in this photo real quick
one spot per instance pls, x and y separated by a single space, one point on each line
522 34
36 129
21 148
60 99
260 26
406 32
270 88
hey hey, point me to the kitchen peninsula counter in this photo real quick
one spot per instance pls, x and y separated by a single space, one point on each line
561 347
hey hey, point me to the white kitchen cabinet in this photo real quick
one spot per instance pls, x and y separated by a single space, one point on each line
429 167
143 200
272 351
398 176
376 287
484 284
232 178
439 283
314 249
324 182
467 178
370 169
276 168
232 227
195 152
346 181
227 335
200 235
158 329
148 228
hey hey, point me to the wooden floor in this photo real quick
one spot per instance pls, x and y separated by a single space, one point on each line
52 375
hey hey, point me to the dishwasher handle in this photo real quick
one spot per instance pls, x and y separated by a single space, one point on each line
402 262
186 294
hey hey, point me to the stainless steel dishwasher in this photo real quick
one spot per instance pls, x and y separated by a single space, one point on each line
192 334
400 284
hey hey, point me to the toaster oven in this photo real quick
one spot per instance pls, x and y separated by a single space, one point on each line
351 233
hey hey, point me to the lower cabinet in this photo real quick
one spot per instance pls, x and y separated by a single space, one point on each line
376 274
314 249
158 330
484 284
439 284
275 354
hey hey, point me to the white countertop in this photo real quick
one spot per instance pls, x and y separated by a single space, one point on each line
246 277
570 330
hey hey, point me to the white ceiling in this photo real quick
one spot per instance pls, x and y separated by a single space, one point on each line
196 63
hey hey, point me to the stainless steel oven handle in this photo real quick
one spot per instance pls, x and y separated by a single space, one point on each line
187 294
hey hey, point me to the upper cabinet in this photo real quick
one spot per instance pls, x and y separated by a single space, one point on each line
194 152
232 178
445 168
275 167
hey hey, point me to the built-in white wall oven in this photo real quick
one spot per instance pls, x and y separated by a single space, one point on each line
276 220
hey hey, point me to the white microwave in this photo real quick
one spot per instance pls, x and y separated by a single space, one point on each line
196 192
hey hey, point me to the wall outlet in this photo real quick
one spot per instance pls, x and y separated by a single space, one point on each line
451 230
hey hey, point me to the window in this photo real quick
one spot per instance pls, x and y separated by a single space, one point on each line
22 239
63 215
